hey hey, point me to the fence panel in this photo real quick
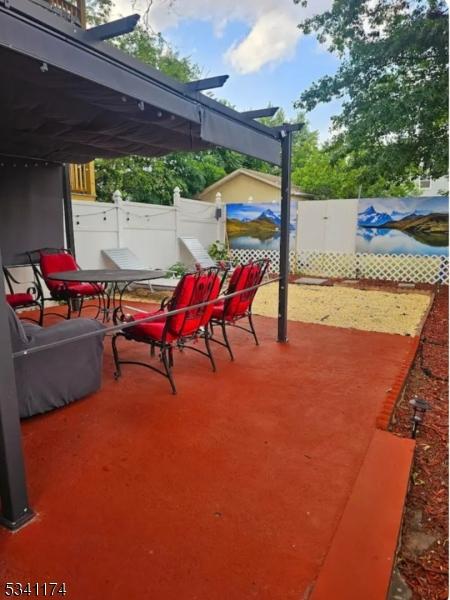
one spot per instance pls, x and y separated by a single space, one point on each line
95 227
150 231
198 219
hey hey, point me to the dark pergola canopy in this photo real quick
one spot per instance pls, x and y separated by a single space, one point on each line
68 96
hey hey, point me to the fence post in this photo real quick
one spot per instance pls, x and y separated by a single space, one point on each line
177 206
176 195
118 202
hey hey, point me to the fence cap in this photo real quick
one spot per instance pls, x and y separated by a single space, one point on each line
117 197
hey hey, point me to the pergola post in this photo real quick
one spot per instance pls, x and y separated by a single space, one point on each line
15 510
68 215
286 152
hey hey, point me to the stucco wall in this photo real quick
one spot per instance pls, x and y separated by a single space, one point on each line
240 188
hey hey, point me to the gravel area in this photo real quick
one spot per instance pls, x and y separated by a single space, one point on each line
370 310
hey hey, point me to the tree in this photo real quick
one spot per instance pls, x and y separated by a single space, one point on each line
98 11
327 175
394 82
153 179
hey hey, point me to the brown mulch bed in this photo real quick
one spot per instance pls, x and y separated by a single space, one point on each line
423 554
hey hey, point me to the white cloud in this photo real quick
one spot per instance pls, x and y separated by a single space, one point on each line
271 39
273 33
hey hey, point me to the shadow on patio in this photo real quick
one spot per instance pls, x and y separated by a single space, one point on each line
232 489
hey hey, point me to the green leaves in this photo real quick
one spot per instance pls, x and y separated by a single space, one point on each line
394 81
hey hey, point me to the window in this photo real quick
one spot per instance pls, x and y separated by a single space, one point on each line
425 183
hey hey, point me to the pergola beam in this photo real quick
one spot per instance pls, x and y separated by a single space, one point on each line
270 111
286 128
114 29
206 84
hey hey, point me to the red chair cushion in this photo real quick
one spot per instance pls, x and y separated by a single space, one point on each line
243 277
193 289
19 299
149 331
217 311
54 263
153 330
83 289
209 310
63 261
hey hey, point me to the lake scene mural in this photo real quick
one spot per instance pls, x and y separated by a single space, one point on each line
403 225
257 226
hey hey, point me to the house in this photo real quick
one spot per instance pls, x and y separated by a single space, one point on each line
432 187
246 186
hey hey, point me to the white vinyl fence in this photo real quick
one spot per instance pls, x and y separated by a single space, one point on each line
150 231
325 241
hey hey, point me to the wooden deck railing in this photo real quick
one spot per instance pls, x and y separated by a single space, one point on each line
75 10
82 181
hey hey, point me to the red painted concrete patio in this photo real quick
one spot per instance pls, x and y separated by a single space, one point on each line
233 489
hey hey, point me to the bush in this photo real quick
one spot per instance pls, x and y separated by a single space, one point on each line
177 270
219 251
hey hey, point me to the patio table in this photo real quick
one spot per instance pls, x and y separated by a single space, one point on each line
108 276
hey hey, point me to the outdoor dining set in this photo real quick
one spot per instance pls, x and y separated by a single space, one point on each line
58 364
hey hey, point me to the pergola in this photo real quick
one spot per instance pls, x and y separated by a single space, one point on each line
67 96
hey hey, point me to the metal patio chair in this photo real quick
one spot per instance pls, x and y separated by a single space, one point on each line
230 310
32 297
56 260
174 331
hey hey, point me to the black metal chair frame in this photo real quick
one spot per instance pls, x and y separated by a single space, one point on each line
224 323
166 346
63 294
35 290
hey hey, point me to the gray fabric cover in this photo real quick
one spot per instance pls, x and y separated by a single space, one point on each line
85 106
57 376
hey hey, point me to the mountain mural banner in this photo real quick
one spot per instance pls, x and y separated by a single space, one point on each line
257 226
403 225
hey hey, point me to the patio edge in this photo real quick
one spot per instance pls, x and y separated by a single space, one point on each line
394 393
362 553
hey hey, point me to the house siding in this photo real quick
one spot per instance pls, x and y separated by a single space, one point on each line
241 188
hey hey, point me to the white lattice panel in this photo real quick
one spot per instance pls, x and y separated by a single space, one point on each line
392 267
274 256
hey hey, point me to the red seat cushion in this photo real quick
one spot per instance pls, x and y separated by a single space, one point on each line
217 311
20 299
149 331
83 289
63 261
193 289
144 315
153 330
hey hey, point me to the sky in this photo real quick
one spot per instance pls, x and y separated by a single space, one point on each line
256 42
